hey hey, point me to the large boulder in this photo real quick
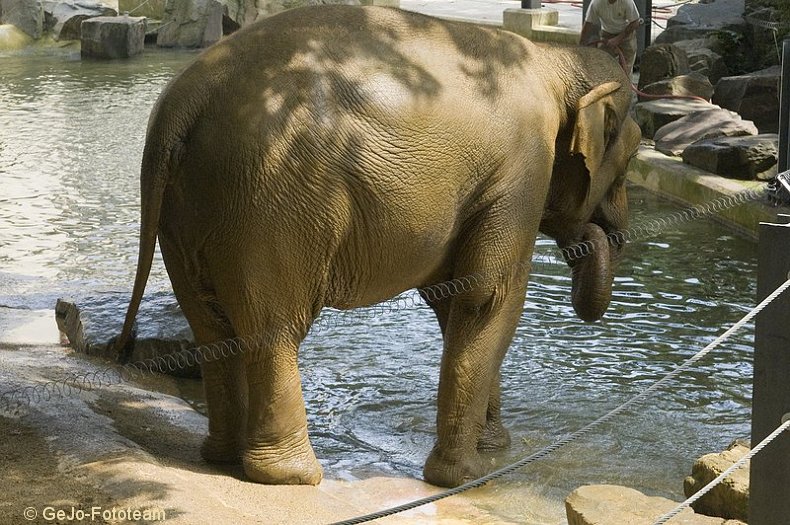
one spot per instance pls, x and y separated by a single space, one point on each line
730 498
12 38
112 37
614 505
655 114
691 85
245 11
700 20
745 158
661 62
676 136
754 96
65 18
705 57
27 15
191 23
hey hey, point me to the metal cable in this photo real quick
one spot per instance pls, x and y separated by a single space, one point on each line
735 466
582 431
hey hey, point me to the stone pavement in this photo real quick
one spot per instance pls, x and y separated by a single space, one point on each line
134 447
490 11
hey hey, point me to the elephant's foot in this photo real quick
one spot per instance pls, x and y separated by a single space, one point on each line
290 462
494 437
452 470
215 450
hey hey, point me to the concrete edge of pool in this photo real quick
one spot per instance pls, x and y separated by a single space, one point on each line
671 178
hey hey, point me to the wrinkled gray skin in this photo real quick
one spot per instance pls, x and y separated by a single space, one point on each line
336 156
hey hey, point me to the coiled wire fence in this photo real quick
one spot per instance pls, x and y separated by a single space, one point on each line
15 401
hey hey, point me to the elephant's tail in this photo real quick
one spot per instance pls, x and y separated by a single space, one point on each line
153 180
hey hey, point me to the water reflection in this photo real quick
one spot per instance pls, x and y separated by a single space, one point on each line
71 136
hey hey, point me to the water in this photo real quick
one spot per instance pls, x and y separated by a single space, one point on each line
71 136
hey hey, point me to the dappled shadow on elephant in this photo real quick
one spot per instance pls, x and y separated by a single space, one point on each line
336 156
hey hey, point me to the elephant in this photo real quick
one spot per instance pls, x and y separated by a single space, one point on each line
336 156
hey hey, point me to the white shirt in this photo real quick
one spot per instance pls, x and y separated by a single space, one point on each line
613 18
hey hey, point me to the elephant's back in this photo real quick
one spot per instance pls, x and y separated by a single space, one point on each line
284 55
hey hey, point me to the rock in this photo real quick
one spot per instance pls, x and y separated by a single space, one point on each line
89 324
745 158
699 20
148 8
27 15
703 58
112 37
754 96
676 136
239 13
730 498
655 114
12 38
191 23
614 505
661 62
67 17
691 85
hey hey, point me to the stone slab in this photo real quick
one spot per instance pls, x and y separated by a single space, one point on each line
744 157
654 114
112 37
728 499
615 505
676 136
68 17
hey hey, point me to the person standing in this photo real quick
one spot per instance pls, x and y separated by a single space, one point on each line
619 20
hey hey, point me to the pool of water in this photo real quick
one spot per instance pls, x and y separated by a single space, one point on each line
71 136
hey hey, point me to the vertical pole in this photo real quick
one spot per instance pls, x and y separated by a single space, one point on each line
784 109
643 8
769 491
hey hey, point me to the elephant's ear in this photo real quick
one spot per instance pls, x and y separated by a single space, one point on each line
594 125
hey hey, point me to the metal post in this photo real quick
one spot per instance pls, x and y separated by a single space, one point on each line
769 491
642 39
784 109
530 4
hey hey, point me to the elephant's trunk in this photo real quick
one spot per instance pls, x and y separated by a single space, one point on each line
591 263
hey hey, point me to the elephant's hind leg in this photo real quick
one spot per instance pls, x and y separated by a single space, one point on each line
278 448
221 366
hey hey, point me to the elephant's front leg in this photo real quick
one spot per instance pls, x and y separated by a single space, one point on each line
494 436
278 447
480 328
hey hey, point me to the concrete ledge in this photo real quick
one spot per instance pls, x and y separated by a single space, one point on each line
381 3
671 178
539 25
